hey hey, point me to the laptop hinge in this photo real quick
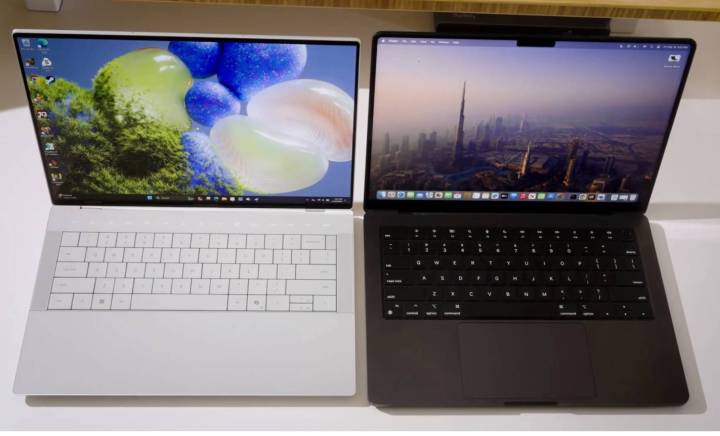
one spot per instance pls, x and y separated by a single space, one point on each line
315 210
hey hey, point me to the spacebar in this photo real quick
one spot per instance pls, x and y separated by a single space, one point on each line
508 310
178 302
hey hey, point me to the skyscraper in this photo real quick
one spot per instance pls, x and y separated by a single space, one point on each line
461 122
386 144
405 143
498 126
571 162
525 160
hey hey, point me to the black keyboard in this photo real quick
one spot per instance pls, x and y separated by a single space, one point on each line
512 273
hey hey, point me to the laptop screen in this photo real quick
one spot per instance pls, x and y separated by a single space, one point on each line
475 120
193 121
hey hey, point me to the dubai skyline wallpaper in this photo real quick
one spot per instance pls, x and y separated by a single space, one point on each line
488 118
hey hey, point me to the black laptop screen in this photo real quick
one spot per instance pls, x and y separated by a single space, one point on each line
496 121
193 121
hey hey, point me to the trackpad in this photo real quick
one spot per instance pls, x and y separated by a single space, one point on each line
525 362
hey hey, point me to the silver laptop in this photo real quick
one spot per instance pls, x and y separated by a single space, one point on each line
200 239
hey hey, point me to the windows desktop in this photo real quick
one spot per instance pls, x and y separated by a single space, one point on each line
472 119
208 120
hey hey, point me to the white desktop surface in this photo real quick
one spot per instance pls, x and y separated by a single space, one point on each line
685 215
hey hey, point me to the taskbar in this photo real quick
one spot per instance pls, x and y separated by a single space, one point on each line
205 200
508 196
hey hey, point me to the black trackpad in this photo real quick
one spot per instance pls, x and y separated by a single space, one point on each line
525 362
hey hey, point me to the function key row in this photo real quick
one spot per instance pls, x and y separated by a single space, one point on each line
197 240
495 233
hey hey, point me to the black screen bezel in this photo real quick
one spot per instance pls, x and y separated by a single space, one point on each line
371 203
303 203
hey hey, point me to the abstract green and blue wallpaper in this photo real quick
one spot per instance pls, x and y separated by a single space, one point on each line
181 117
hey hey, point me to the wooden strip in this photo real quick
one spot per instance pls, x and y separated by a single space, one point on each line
699 10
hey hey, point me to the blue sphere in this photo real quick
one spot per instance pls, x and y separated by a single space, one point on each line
246 68
207 171
206 102
201 58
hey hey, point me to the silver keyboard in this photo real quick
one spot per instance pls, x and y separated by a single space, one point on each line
198 271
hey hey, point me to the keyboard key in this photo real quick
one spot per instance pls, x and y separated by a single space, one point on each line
142 286
94 254
313 242
179 302
70 239
123 286
180 286
310 287
256 303
301 307
200 286
257 286
237 302
163 240
219 286
97 269
238 286
200 240
71 269
255 241
60 301
121 301
181 240
71 254
218 240
629 294
315 272
189 255
73 285
323 303
236 241
300 256
81 301
101 302
125 240
88 239
323 257
278 303
162 286
104 286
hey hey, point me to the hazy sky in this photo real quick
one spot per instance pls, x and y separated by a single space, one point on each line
418 88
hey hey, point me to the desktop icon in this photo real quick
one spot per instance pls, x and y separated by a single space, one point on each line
485 195
514 196
25 42
551 196
573 196
591 197
46 62
614 197
532 196
56 177
601 197
149 197
438 195
30 62
633 197
41 114
50 80
504 195
49 146
419 195
541 196
582 197
560 196
523 196
42 43
447 195
495 195
457 195
401 194
476 195
381 194
674 58
391 194
624 197
410 194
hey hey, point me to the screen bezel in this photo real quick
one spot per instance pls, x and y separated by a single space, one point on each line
370 202
306 204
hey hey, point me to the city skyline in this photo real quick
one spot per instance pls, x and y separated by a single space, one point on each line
574 86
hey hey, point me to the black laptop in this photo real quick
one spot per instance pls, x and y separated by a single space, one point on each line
508 258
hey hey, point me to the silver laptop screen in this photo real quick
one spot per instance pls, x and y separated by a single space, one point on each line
193 121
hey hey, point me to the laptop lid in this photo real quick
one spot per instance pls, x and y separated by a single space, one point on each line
462 123
192 120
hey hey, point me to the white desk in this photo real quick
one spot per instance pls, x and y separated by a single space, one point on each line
686 227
